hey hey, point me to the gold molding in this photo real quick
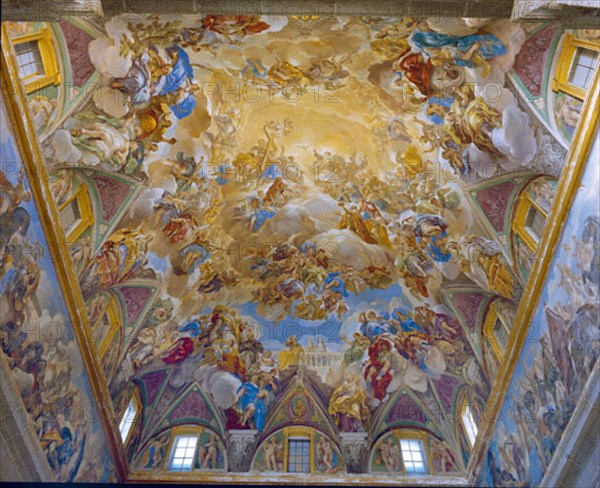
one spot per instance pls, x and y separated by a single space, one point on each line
279 479
26 139
566 190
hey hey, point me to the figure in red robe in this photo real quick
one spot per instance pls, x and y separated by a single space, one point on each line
378 370
179 351
418 71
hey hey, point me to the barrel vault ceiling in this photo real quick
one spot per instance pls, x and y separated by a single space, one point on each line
304 213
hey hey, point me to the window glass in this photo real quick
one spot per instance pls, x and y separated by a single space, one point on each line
299 455
535 222
127 420
413 456
501 333
70 216
184 449
470 426
582 69
29 59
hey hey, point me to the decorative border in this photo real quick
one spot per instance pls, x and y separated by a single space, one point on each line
566 190
26 139
279 479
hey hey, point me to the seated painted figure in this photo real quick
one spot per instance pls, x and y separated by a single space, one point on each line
373 326
431 234
378 373
251 403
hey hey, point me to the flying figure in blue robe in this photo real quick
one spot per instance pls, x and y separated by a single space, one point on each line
181 74
407 324
334 282
489 45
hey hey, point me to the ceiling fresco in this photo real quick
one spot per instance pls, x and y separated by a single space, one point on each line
287 223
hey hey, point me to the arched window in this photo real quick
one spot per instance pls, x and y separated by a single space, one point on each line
468 417
413 456
105 328
298 450
300 456
531 213
530 220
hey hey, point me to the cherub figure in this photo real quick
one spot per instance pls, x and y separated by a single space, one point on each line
326 455
209 453
272 451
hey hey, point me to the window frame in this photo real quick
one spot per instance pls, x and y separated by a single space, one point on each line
178 432
561 82
37 57
111 312
520 227
86 220
425 461
51 75
137 403
304 440
463 410
491 318
299 432
413 435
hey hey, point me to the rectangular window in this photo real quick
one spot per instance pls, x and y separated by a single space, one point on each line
101 329
127 420
29 59
70 216
299 455
501 333
413 456
535 222
184 449
491 360
582 69
469 424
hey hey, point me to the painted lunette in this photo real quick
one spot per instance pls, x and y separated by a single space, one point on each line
40 188
567 188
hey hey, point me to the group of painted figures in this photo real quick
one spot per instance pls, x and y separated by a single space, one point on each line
296 278
545 396
409 213
38 358
410 218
